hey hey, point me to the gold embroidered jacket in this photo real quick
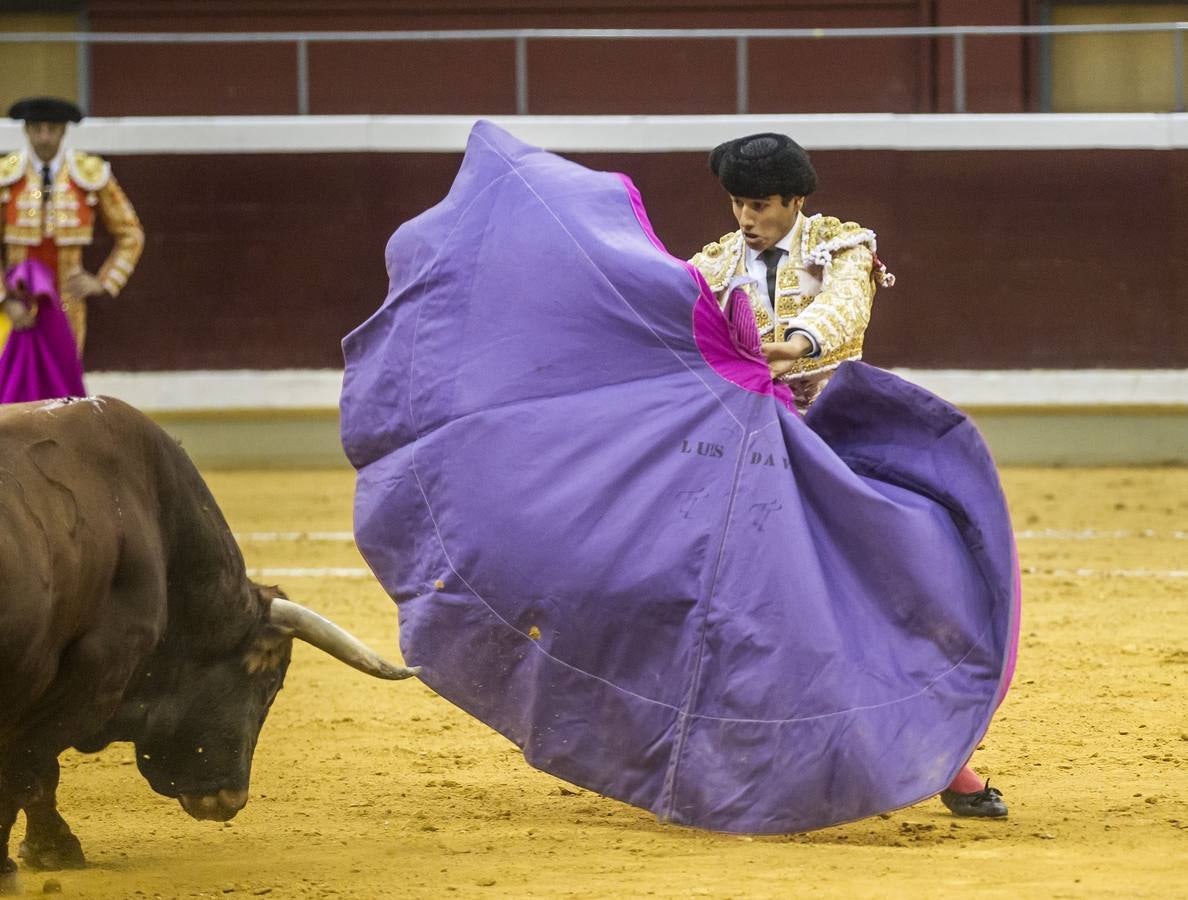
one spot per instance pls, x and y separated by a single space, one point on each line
824 286
83 185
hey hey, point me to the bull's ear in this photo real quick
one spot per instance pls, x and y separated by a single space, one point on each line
269 646
266 593
268 649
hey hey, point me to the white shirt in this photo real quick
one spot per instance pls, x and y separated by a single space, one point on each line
54 164
757 269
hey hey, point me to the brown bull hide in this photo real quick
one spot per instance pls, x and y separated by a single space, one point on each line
126 615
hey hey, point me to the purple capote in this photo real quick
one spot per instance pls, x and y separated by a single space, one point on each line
612 539
41 362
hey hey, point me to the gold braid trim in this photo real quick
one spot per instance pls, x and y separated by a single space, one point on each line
836 317
718 261
121 221
89 172
12 168
826 235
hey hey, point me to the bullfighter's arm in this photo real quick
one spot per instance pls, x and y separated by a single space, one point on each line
121 221
842 310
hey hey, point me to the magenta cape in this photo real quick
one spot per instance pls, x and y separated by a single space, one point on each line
611 539
39 363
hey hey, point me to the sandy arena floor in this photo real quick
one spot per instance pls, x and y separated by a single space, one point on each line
369 789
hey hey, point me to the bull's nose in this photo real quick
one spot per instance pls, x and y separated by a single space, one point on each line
214 807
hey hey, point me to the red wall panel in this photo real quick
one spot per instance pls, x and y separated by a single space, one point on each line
1049 259
566 77
193 80
829 76
316 15
997 69
688 77
462 78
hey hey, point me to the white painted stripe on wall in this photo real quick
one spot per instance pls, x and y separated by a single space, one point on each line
1055 387
330 572
1108 573
322 537
319 389
620 134
221 390
1093 534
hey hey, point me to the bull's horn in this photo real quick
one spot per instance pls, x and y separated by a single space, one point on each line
306 625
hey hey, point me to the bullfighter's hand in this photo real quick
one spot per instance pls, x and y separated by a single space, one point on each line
22 313
782 356
84 285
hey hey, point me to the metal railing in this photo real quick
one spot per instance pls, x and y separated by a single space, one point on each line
741 37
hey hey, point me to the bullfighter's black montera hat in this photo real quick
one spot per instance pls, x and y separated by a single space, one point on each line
760 165
45 109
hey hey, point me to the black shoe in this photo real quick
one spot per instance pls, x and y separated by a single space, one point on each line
985 804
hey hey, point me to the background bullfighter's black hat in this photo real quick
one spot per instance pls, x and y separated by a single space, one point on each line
45 109
760 165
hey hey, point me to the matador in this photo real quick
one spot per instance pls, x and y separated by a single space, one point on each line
50 199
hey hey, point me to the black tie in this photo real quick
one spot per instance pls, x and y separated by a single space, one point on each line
46 184
771 258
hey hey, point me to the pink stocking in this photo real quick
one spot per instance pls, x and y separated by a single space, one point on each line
967 782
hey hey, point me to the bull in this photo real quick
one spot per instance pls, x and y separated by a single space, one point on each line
126 614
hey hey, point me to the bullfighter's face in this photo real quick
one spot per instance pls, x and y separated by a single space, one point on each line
765 220
45 138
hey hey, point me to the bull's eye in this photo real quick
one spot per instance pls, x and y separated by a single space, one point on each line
145 756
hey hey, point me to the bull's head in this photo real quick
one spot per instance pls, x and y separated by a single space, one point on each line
199 732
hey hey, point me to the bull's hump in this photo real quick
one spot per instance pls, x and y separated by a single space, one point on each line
11 412
48 416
